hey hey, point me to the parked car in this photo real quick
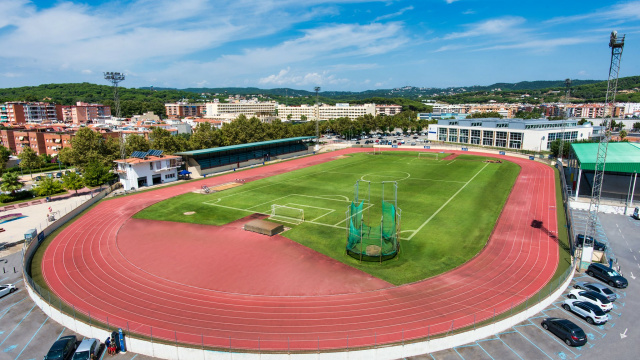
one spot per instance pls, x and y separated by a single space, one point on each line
58 175
592 297
607 274
592 313
87 350
569 332
7 289
597 245
62 349
597 287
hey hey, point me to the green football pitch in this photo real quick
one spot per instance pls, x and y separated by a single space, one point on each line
449 207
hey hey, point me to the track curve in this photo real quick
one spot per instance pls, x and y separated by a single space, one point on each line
84 268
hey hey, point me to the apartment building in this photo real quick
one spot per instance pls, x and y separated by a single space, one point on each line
325 112
586 111
81 113
17 113
297 113
248 108
182 110
389 110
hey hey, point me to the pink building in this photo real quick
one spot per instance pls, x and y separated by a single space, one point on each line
81 113
388 109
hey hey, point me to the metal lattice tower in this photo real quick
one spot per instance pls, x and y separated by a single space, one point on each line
616 46
567 84
114 78
317 89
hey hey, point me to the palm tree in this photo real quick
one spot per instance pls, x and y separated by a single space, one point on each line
11 182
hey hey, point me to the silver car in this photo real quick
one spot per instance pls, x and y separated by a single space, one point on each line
597 287
87 350
7 289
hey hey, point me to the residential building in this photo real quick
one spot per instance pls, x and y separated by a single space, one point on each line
81 113
16 113
247 108
325 112
388 109
137 172
182 110
530 135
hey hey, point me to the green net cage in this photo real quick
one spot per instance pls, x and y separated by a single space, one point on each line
373 242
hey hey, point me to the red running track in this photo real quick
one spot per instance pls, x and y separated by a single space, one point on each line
85 267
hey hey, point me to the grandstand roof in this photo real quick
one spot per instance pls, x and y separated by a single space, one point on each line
243 146
622 157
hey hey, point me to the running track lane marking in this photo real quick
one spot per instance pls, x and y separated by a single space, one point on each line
14 329
445 204
30 340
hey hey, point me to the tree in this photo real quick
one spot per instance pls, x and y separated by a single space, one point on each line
136 142
303 117
636 126
4 157
72 181
29 159
162 139
11 182
485 115
205 136
97 173
555 146
89 146
49 186
623 134
584 121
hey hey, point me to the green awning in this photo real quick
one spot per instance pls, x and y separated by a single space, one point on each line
243 146
622 157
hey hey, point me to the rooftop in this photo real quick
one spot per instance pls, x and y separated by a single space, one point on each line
622 157
243 146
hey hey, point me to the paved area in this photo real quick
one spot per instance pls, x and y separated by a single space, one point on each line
617 339
35 216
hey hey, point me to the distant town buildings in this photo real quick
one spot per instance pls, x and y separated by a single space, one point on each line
18 113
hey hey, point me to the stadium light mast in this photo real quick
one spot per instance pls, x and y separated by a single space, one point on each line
114 78
616 44
567 84
317 90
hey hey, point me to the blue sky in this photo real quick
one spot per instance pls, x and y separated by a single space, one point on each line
338 45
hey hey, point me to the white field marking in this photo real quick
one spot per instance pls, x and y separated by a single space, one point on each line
345 219
451 181
388 176
451 162
309 206
235 208
282 219
323 197
447 202
270 184
323 215
328 197
266 202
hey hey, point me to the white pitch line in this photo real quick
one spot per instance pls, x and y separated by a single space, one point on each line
451 162
445 204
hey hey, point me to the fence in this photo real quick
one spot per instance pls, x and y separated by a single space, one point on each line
414 339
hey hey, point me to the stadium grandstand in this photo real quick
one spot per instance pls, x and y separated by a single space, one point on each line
209 161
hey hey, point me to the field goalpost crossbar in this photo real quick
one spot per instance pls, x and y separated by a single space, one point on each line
287 214
427 155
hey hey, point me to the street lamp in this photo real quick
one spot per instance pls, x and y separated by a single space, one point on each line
541 140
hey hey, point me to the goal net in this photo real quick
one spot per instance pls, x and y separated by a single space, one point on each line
428 155
286 214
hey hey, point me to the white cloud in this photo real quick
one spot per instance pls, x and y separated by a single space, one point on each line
629 11
87 72
395 14
543 45
502 26
450 1
285 78
468 12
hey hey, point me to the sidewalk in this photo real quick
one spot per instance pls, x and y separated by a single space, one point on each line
35 216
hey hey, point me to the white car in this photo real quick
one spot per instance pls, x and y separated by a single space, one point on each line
592 297
7 289
587 310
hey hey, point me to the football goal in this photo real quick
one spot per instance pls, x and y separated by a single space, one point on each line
428 155
283 213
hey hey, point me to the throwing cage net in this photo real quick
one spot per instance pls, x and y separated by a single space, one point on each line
373 242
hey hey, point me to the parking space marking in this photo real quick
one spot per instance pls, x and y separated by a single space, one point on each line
456 350
582 321
485 351
14 329
510 348
7 309
30 340
531 342
555 338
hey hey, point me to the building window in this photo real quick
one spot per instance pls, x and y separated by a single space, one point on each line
515 140
453 135
487 138
150 166
501 138
442 134
464 136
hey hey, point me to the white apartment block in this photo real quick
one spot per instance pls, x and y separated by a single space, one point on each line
152 170
248 108
325 112
532 135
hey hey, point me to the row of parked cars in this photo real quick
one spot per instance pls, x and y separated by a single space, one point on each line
65 349
590 301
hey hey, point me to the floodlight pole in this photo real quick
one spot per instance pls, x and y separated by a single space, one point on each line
567 84
114 78
317 90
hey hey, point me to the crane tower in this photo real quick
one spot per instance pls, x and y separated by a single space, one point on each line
616 44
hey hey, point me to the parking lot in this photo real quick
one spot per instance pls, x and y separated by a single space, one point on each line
617 339
27 333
